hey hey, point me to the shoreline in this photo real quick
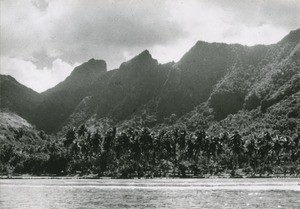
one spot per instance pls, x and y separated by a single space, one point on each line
25 176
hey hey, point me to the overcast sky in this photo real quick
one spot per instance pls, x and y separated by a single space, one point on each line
43 40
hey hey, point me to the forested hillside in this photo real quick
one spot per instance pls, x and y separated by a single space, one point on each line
22 147
262 86
220 107
210 82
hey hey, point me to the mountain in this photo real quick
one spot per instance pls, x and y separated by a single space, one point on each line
192 79
251 90
17 97
209 85
127 90
266 81
60 101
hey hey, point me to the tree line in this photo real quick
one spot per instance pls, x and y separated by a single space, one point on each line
142 152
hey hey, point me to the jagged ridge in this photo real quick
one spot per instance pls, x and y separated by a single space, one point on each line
223 78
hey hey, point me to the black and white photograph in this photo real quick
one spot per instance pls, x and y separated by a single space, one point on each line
173 104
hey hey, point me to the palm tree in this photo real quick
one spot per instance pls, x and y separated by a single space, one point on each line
70 137
237 149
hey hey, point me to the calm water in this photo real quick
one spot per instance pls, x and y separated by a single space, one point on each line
158 193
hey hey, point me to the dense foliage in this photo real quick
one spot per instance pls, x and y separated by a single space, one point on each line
219 88
144 153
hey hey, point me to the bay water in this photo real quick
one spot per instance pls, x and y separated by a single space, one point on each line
149 193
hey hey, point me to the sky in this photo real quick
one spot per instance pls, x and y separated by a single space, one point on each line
43 40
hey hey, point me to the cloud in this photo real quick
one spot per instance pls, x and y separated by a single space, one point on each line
40 32
279 13
263 34
38 79
76 30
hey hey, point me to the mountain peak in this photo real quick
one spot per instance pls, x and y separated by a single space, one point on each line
145 52
82 75
144 55
91 60
90 67
142 60
199 43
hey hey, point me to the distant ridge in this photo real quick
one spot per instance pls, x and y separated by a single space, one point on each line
209 84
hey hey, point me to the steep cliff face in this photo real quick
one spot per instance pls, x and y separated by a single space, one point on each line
279 78
193 78
210 82
128 89
260 83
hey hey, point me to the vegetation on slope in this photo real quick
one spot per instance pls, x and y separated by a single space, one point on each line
226 78
141 152
215 87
